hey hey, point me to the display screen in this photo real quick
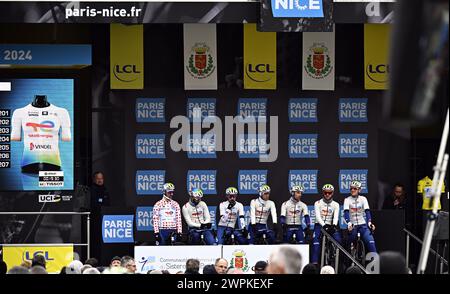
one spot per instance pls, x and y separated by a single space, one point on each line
37 134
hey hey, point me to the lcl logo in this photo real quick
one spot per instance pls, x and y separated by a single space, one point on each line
378 72
29 255
126 71
255 72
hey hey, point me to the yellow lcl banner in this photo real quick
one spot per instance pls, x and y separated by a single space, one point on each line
126 56
56 256
376 56
260 58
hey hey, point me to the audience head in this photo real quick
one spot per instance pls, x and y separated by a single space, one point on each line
91 271
310 269
209 269
128 263
284 260
115 261
18 270
192 266
74 268
38 270
327 270
3 267
260 267
85 267
392 262
353 270
38 260
221 265
92 262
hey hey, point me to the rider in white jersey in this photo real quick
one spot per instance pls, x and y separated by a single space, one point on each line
260 209
231 215
358 218
196 214
292 214
326 216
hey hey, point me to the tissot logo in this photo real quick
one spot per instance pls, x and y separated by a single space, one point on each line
378 72
259 72
126 73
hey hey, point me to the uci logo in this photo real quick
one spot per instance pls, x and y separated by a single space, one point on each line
378 72
126 73
28 255
49 198
259 72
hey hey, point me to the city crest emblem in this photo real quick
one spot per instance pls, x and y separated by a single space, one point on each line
239 260
200 63
318 62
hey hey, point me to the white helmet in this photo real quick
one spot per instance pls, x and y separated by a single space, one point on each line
297 189
355 184
264 189
196 193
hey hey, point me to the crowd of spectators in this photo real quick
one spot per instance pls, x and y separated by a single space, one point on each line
282 260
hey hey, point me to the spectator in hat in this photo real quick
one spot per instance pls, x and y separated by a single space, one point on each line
115 261
260 268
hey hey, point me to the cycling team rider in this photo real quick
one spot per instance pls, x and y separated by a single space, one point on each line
197 217
327 216
260 209
292 213
231 215
166 216
358 218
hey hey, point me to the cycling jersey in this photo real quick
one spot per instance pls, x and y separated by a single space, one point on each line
197 215
355 209
260 210
41 129
228 217
166 215
294 211
326 213
424 188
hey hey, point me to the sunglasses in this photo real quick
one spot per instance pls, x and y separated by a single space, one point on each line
231 196
327 193
353 188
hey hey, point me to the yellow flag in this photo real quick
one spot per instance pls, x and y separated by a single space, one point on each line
56 256
127 56
260 58
376 56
